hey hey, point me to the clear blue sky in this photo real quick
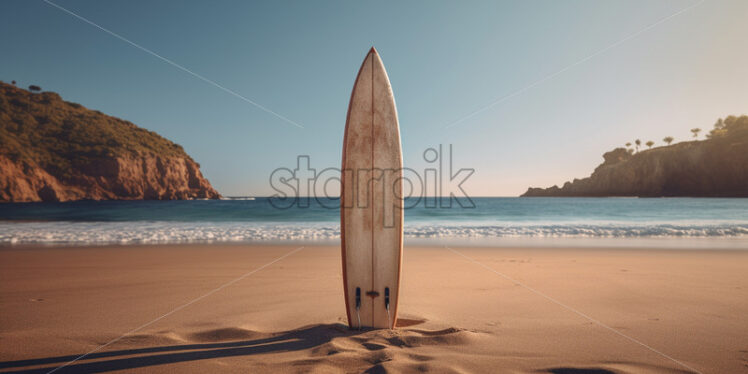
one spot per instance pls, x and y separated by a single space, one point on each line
445 60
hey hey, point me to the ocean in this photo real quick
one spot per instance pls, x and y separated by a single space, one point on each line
491 221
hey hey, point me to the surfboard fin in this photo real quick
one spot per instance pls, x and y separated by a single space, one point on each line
387 306
358 306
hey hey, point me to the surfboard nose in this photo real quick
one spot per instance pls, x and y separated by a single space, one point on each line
373 50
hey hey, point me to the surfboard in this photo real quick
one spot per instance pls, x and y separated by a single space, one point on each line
371 214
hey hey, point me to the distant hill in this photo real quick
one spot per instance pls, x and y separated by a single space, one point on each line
54 150
715 167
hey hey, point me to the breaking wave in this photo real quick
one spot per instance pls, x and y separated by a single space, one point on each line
167 232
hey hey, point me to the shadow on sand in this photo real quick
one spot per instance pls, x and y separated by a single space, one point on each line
579 371
295 340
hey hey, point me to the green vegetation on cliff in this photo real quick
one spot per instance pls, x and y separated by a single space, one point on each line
54 150
58 135
715 167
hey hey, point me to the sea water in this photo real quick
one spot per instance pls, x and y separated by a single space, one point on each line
490 221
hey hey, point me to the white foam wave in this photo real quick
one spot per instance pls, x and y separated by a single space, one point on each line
578 230
207 232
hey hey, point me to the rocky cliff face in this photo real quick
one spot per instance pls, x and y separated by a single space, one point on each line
52 150
716 167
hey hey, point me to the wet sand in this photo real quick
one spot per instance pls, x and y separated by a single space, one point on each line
231 308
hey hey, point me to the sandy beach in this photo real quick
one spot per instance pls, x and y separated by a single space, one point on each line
237 308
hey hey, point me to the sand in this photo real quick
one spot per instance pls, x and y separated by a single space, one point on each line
498 310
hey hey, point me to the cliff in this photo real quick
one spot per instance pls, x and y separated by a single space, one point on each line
715 167
53 150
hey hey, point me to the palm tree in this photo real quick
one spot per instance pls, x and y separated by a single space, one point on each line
668 139
718 127
638 143
650 144
696 132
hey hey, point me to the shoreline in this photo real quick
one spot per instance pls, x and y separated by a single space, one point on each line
737 243
456 315
426 245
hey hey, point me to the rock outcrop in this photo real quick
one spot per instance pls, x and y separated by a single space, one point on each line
715 167
53 150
